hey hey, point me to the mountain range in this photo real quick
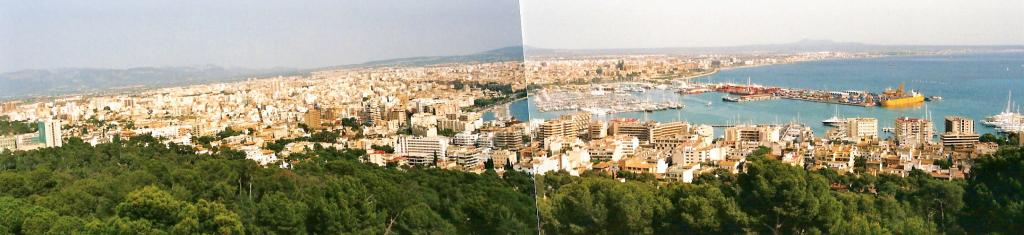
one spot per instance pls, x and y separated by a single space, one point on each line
806 45
65 81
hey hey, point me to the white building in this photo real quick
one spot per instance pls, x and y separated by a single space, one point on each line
50 133
422 150
466 139
684 173
468 158
862 129
260 156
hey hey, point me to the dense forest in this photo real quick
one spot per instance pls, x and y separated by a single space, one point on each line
144 186
776 198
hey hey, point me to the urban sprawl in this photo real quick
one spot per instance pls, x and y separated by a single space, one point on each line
434 116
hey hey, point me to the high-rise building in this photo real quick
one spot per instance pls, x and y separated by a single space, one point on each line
502 158
50 134
913 131
598 130
630 127
467 157
959 125
465 139
752 134
399 115
556 128
580 122
422 150
373 112
312 119
510 138
862 129
668 129
8 143
959 133
8 106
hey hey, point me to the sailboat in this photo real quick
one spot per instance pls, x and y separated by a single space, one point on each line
834 120
1007 116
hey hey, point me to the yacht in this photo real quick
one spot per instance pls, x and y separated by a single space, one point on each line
834 120
1007 118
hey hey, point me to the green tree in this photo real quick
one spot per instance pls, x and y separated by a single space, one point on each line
280 214
706 209
785 199
385 148
446 132
151 204
994 195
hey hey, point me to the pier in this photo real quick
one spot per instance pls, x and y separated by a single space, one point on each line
752 92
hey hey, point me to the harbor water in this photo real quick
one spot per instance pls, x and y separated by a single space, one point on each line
971 85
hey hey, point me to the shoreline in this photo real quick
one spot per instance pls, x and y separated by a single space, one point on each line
492 107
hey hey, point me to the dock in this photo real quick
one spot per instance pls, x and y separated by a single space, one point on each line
751 92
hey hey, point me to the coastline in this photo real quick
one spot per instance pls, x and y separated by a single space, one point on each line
712 72
739 67
492 107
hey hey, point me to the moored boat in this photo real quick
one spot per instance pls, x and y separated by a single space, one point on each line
1008 120
834 120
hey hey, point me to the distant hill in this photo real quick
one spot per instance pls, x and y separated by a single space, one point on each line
806 45
514 53
64 81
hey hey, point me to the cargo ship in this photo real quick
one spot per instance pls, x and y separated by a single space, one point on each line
900 98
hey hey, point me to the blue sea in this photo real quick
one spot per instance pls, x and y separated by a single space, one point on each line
972 85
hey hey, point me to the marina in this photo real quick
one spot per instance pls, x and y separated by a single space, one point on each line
971 93
608 99
1010 120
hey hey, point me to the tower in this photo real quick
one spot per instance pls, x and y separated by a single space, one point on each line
50 134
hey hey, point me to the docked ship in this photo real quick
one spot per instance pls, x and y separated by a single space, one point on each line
900 98
1008 120
834 120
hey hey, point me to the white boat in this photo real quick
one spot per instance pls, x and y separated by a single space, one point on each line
597 111
1008 119
834 120
1010 128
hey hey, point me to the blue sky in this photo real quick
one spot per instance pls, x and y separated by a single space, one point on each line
43 34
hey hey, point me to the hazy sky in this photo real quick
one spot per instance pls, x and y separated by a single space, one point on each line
588 24
130 33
